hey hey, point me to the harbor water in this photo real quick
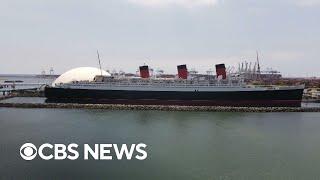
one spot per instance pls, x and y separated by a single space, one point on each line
180 145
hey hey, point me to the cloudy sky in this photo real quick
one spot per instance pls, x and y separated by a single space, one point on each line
36 35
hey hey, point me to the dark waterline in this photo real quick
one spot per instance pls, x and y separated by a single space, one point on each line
181 145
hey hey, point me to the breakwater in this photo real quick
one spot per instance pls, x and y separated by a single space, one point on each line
5 97
159 107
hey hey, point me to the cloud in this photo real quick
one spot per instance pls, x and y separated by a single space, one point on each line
180 3
308 3
285 55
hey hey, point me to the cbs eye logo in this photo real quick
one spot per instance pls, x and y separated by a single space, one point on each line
28 151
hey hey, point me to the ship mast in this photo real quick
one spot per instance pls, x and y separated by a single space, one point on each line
258 66
99 62
259 71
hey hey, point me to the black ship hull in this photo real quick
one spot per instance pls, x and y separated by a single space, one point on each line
267 98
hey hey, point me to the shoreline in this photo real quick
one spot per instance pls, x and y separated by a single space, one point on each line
158 107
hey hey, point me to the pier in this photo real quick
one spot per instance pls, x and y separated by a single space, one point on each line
6 89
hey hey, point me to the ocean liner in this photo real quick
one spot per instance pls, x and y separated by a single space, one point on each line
184 90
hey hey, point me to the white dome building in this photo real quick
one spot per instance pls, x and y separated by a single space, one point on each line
80 74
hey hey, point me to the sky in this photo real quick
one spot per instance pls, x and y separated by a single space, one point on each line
36 35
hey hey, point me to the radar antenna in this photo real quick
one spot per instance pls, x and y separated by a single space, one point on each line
99 62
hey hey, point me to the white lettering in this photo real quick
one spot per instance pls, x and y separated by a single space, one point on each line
104 151
40 151
60 151
94 153
141 149
124 149
73 151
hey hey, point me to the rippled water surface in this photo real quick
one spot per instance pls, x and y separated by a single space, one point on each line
181 145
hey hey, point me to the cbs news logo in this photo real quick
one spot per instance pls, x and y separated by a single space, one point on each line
29 151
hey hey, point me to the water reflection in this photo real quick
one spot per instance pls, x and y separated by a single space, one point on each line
181 145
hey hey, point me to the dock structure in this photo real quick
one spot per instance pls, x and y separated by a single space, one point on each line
8 88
